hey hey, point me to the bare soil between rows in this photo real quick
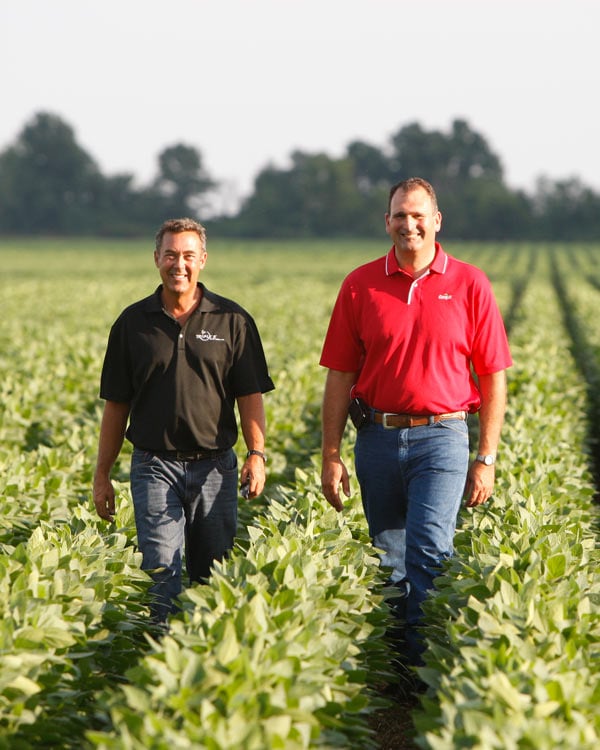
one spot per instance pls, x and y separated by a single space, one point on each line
393 727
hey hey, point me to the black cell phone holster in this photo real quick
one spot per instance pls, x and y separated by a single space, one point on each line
359 413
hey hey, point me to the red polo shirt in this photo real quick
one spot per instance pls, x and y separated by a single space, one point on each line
413 342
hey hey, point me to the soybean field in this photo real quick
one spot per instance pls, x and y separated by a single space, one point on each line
285 646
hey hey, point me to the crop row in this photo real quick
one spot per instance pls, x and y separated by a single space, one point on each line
273 652
515 625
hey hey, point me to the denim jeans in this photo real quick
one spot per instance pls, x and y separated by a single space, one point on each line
182 506
412 482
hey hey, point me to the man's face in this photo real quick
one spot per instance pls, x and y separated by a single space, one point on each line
412 222
180 259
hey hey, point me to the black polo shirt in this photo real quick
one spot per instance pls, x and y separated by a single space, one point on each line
182 382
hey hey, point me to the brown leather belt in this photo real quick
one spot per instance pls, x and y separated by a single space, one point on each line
394 421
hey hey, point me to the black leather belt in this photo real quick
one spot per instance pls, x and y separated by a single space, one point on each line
395 421
197 455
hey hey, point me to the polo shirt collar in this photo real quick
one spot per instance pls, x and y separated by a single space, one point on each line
207 300
154 302
438 265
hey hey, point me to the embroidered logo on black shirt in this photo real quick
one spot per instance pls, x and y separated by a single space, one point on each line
208 336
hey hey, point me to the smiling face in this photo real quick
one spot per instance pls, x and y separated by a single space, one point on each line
179 260
412 223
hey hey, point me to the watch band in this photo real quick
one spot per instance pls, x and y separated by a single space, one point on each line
257 453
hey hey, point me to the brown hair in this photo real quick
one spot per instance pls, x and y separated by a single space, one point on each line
413 183
175 226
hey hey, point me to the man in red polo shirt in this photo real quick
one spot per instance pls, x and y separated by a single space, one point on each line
406 334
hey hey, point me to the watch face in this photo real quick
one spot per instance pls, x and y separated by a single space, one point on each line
488 460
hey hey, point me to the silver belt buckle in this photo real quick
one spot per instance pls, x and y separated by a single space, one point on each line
384 423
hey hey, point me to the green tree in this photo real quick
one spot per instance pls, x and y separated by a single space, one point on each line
123 211
48 183
471 157
271 209
182 182
485 209
566 210
371 167
418 153
316 197
445 160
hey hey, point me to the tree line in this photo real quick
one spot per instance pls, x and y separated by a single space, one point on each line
49 185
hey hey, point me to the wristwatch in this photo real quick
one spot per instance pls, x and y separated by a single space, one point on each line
488 459
257 453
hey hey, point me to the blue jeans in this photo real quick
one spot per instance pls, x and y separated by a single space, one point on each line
182 506
412 482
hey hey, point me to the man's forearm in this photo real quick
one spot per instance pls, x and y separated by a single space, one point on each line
253 423
334 414
491 413
112 434
252 420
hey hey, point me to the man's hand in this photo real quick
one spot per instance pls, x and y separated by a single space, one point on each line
334 473
104 498
112 433
480 484
253 474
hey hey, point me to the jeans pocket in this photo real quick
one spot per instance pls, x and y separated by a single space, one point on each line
141 457
227 462
455 425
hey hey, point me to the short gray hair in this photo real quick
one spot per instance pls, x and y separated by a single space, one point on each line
175 226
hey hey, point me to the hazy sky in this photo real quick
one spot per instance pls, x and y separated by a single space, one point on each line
246 82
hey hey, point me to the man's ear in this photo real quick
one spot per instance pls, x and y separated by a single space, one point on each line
387 223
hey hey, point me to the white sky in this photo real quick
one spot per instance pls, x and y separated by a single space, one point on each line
246 82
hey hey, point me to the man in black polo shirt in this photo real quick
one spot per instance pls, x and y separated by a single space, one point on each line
175 366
